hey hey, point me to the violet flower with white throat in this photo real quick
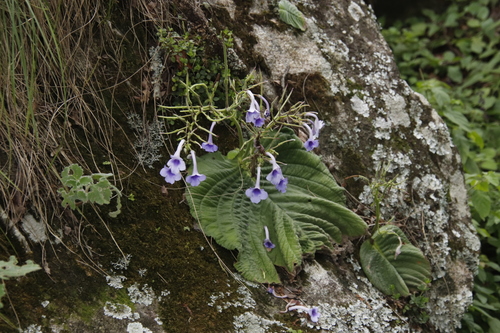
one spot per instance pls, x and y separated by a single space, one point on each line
317 124
253 114
311 142
256 194
176 163
169 176
267 242
209 146
195 178
275 177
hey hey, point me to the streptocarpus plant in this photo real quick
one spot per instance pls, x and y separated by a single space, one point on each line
271 198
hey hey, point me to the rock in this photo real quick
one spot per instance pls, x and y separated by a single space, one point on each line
342 67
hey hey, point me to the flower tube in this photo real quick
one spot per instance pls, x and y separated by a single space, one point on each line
195 178
311 142
209 145
176 163
267 242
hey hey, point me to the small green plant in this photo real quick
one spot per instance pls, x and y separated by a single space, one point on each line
416 307
10 269
193 60
94 188
391 262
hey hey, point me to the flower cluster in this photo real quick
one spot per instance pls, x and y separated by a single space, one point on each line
172 170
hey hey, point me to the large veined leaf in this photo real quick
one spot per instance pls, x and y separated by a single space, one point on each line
392 263
309 216
291 15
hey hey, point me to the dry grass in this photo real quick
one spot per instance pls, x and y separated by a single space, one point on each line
63 66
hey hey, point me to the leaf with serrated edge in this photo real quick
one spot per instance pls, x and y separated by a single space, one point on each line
308 217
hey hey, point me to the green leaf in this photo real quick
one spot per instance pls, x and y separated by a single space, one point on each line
494 324
455 74
389 271
481 202
309 216
291 15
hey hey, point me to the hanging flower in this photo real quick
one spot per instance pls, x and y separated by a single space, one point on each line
209 146
282 185
253 114
170 177
267 242
256 194
311 142
176 163
275 177
317 124
195 178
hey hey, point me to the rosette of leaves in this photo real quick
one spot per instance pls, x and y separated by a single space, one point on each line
94 188
392 263
310 216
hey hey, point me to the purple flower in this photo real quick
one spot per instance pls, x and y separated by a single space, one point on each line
209 147
317 124
253 114
275 176
273 292
312 312
311 143
256 194
195 178
267 242
176 163
281 186
170 177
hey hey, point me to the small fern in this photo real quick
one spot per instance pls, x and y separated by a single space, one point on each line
291 15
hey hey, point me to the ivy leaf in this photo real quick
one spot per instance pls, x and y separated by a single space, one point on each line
392 263
309 216
291 15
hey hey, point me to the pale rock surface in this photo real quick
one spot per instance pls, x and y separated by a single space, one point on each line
344 69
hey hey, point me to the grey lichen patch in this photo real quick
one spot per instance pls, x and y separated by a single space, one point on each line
36 230
349 304
251 322
446 310
303 55
243 300
355 11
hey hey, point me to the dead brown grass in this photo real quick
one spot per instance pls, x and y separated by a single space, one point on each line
64 66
